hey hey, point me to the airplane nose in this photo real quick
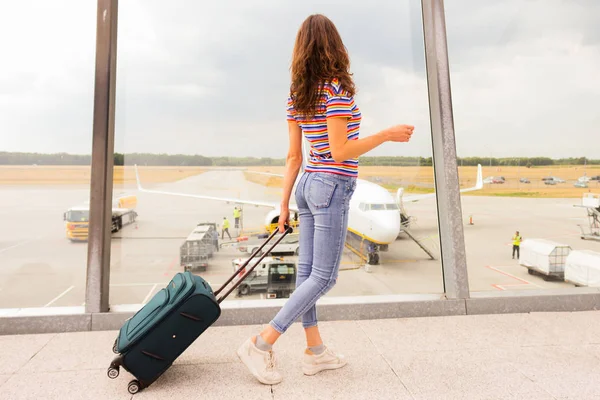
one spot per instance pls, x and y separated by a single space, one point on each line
388 226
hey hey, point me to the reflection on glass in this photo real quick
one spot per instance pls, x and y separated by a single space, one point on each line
46 104
525 99
201 102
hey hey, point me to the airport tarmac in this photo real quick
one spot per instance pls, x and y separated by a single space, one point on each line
40 267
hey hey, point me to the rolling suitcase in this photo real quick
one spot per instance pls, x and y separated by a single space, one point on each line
150 341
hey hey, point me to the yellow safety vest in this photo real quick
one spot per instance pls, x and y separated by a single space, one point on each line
517 240
225 224
236 213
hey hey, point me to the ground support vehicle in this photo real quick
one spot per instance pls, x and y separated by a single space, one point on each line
77 218
198 247
273 275
591 203
289 245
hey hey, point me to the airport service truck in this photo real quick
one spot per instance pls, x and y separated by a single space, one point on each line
77 218
273 275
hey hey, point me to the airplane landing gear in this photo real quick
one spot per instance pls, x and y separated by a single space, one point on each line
373 254
373 258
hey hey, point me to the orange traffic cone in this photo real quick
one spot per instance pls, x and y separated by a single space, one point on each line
471 220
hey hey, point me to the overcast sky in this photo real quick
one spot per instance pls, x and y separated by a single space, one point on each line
211 78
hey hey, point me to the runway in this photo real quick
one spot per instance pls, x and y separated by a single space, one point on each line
40 267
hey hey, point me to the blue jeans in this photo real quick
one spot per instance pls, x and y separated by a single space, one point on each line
323 201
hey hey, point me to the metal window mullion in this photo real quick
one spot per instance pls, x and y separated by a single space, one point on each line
454 263
100 220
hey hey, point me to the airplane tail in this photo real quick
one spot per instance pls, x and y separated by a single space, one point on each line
137 178
479 184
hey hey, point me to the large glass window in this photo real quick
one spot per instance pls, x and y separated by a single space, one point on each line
525 96
201 97
46 106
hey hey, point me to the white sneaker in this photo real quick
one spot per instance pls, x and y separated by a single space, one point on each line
313 364
260 363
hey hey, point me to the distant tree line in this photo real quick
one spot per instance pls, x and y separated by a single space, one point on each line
526 161
7 158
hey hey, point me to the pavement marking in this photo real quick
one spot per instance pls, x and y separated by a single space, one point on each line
20 244
171 265
503 287
351 263
59 296
523 281
149 293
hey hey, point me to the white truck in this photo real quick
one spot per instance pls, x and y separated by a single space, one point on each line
274 275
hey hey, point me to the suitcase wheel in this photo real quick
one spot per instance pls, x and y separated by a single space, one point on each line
134 386
113 373
114 349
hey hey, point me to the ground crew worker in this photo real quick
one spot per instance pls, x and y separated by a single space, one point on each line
236 214
517 239
225 228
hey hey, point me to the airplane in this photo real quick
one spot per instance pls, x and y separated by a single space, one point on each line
375 217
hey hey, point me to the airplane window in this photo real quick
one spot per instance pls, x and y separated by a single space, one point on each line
378 207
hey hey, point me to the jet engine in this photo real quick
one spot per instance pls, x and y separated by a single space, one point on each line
273 216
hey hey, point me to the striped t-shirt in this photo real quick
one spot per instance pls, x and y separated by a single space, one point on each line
334 102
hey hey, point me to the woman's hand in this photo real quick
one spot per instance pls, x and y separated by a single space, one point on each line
284 217
399 133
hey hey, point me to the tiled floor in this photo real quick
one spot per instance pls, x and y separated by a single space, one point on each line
515 356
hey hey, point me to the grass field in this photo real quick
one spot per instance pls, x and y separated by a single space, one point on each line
412 179
421 180
77 175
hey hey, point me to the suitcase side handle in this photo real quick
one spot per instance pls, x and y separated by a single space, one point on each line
288 229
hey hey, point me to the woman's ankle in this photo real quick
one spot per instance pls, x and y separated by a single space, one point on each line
315 350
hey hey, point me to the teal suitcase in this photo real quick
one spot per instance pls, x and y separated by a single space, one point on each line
152 339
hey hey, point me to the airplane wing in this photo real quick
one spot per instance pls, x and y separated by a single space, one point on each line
478 186
274 205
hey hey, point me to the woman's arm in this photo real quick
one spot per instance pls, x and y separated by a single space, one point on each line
292 166
343 149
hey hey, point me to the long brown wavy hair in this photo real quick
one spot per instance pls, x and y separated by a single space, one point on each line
319 56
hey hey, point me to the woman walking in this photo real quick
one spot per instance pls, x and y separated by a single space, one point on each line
321 107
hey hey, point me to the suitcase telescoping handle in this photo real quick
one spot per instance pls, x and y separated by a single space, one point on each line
288 229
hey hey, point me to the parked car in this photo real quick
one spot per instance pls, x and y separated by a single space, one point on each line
580 184
552 179
494 179
524 180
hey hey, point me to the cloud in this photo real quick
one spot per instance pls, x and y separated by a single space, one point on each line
212 77
524 87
